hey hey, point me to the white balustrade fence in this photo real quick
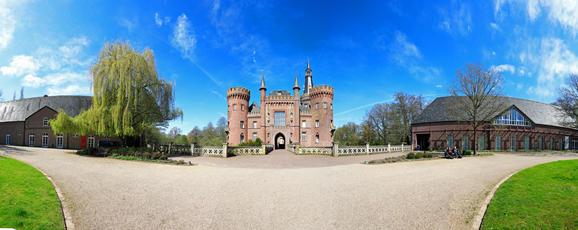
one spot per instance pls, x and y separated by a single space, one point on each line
209 151
303 150
246 150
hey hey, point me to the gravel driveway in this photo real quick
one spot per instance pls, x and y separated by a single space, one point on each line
114 194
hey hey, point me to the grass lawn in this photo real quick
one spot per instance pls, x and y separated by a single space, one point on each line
541 197
27 198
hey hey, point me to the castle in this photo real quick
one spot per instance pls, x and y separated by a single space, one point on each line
281 118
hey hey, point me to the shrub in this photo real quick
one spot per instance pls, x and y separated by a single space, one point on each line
157 155
410 156
419 155
469 152
163 157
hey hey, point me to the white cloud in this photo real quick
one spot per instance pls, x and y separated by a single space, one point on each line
519 86
564 12
32 81
158 20
505 68
7 25
457 20
222 115
521 71
553 62
438 86
494 26
128 24
218 94
21 65
184 37
72 89
403 49
424 73
167 20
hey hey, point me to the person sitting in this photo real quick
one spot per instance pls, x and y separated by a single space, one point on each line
456 152
448 153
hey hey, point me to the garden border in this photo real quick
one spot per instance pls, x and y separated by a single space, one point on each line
479 218
68 224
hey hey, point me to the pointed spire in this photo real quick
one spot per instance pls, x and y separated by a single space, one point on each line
296 85
308 64
263 81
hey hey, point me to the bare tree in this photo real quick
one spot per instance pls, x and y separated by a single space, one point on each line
476 94
568 101
173 133
409 107
22 93
1 98
14 97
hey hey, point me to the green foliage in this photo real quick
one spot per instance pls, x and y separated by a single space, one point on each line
469 152
210 135
256 142
27 198
411 156
541 197
429 155
348 134
154 135
128 95
418 155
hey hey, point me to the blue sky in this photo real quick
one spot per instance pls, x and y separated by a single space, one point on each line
366 50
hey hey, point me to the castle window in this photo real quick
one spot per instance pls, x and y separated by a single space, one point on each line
303 123
512 117
8 139
254 136
317 106
31 140
254 124
324 105
331 106
242 138
317 123
279 118
242 124
304 136
268 135
317 138
59 141
45 140
242 108
90 142
45 121
234 107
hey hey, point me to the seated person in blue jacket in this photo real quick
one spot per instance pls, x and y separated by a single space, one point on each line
448 152
456 152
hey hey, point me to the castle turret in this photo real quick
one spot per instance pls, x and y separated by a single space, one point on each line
238 107
307 86
321 97
263 90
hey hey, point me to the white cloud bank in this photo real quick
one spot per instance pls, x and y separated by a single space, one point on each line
20 65
184 39
505 68
564 12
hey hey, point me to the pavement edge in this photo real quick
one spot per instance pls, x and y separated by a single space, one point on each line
68 224
479 218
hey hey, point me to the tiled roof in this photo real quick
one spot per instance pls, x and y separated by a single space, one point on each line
254 108
19 110
537 112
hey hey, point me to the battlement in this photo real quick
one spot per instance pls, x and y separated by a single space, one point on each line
321 87
321 91
238 93
280 97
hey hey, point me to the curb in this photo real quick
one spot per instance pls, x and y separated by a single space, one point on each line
64 206
479 218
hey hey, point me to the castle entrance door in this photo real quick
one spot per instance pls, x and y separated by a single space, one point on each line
280 141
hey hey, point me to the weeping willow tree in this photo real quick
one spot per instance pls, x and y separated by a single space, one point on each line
128 95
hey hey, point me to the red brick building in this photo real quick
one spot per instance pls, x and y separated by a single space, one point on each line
282 118
25 122
524 125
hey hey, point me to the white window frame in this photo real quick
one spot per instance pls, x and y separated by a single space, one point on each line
481 143
8 139
317 123
45 140
90 142
234 107
242 108
254 136
303 124
59 141
526 143
512 143
498 142
325 105
254 124
45 121
242 124
317 106
304 136
242 138
31 140
317 138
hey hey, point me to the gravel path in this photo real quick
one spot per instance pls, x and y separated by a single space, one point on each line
113 194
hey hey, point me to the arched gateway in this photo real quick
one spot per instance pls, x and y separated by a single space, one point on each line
280 141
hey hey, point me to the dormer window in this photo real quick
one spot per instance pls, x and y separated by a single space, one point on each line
512 117
45 121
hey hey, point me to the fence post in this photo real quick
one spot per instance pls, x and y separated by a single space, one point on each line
193 149
367 147
402 147
335 149
297 149
264 148
225 149
388 148
170 148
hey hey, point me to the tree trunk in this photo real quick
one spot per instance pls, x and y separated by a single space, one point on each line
475 139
